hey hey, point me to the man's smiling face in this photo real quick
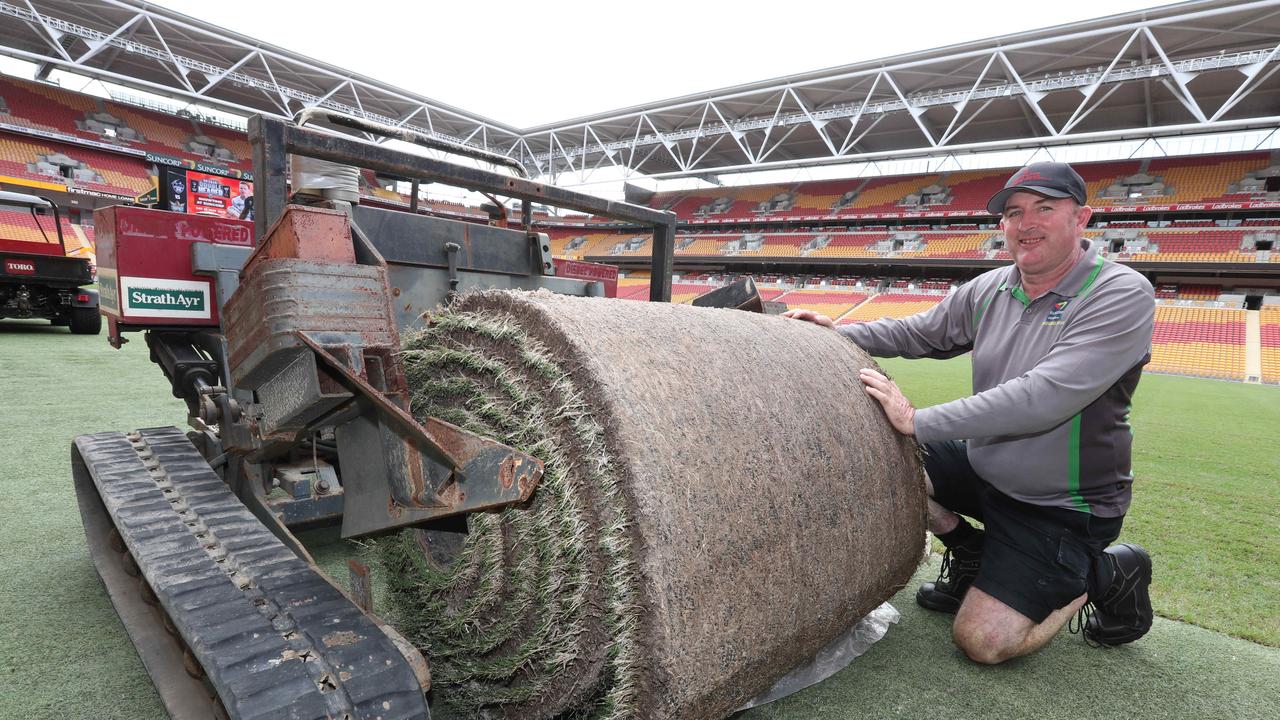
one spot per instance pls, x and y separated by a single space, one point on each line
1042 233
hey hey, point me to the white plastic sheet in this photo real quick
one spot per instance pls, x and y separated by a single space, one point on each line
833 658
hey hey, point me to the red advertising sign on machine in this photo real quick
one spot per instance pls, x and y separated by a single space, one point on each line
144 265
578 270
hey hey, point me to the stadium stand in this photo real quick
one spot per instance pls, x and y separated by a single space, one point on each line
895 305
1158 182
946 245
832 303
1199 245
1270 317
65 164
45 107
1197 292
1201 341
902 219
1206 179
683 292
1208 245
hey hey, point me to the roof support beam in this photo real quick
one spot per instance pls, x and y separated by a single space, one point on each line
1183 93
1251 73
98 46
51 35
178 69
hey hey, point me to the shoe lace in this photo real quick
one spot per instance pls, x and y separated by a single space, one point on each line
944 572
1077 624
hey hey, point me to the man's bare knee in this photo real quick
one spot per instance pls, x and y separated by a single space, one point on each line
988 631
987 645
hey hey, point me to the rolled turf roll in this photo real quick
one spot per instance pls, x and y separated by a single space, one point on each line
720 500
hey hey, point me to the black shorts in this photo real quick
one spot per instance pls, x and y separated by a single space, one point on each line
1035 559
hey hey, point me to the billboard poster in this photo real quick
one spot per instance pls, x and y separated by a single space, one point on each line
219 196
173 189
199 193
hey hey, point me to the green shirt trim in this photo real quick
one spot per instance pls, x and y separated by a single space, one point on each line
1073 466
1073 441
1085 289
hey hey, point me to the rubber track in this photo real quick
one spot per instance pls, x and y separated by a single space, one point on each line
276 640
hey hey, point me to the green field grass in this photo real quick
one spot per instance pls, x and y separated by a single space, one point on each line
1204 503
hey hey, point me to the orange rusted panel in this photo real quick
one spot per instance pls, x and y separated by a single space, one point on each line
305 233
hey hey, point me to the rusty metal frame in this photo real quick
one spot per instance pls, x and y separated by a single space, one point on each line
274 140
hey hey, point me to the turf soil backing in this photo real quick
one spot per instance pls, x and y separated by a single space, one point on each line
720 499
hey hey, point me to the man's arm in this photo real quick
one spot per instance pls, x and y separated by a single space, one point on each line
943 331
1111 334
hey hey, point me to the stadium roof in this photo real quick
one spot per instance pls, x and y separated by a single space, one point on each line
1194 67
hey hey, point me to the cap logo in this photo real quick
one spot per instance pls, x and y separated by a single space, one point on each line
1025 175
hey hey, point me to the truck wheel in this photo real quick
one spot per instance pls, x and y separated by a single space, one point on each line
85 321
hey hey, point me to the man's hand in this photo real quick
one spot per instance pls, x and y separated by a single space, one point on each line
810 316
901 414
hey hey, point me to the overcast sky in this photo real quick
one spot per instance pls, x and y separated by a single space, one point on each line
528 63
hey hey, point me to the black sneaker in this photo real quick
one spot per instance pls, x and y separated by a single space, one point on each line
959 567
1121 612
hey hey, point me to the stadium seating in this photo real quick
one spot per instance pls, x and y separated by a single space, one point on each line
895 305
1208 245
683 292
832 303
1199 179
1201 341
576 245
972 189
1187 291
1192 336
1100 176
1198 245
850 245
820 198
46 107
946 245
1270 317
120 175
637 288
1206 178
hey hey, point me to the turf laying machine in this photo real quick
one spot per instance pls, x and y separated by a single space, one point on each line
281 337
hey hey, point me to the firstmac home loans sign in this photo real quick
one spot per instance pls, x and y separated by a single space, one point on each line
154 297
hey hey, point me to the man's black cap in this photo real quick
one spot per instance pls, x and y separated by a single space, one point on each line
1051 179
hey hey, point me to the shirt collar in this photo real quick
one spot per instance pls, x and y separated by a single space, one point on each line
1074 282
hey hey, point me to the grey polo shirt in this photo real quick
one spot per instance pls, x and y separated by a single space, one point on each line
1053 378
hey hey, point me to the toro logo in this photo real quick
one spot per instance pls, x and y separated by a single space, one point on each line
19 267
